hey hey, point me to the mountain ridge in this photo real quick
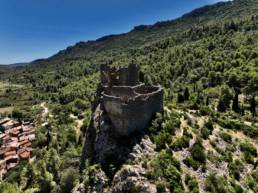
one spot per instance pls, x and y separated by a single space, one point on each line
84 48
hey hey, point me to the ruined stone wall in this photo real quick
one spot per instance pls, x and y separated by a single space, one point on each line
122 107
134 114
128 76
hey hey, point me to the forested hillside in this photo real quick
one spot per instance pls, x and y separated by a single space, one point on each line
207 62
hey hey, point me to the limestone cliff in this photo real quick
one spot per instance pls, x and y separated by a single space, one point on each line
121 113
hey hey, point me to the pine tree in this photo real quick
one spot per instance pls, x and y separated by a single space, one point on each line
186 94
180 98
235 106
207 101
221 105
253 106
242 110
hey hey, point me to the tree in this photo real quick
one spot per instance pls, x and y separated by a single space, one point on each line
242 110
253 106
207 101
186 94
221 105
68 179
235 106
180 98
214 78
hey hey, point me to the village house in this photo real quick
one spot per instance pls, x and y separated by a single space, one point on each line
15 143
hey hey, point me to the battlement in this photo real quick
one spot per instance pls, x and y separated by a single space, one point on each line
112 76
129 104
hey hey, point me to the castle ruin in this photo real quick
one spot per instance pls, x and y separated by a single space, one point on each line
129 104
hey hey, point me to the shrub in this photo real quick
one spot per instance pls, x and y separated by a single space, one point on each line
182 142
234 170
226 137
162 139
197 151
161 186
205 133
68 179
216 184
253 181
249 152
166 168
209 125
204 110
198 156
248 147
190 162
192 184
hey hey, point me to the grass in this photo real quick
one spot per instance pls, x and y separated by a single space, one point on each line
6 110
5 85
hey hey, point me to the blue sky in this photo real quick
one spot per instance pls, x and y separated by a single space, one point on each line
32 29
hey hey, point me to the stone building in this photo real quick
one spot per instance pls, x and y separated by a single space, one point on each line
15 143
129 104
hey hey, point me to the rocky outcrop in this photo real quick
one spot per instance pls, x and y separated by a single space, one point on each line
121 113
98 184
130 178
115 135
102 145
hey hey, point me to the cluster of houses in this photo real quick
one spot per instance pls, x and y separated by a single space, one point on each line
15 143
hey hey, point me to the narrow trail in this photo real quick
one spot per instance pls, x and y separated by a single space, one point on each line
45 110
78 124
44 115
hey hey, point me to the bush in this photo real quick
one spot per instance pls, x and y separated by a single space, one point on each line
253 181
209 125
207 129
180 143
205 133
204 110
166 168
162 139
68 179
226 137
198 156
190 162
248 148
161 187
216 184
6 187
197 151
249 152
234 169
192 184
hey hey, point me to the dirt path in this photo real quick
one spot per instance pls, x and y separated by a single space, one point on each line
45 109
78 124
45 114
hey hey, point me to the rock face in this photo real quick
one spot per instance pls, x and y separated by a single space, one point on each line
132 178
122 110
129 178
97 185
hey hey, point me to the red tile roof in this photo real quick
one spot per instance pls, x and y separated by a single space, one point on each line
9 153
11 165
25 155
